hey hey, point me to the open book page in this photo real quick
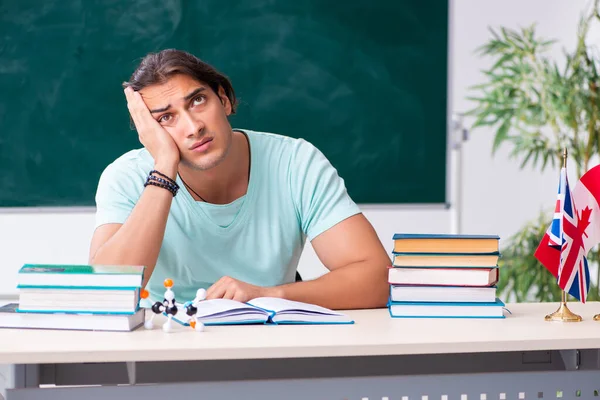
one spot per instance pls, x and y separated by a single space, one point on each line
223 311
288 311
260 310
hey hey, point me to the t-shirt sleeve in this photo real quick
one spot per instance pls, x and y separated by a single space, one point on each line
119 188
319 193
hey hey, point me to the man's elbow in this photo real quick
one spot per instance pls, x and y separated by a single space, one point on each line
379 295
377 292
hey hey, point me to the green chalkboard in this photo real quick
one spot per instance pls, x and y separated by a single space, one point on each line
364 80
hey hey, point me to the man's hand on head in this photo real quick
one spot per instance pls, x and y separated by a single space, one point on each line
233 289
152 135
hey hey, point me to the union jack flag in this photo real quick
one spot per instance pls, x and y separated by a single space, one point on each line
554 238
562 249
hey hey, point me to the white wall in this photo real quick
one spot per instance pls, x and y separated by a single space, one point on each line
497 197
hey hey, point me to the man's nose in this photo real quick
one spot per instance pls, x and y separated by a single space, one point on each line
193 124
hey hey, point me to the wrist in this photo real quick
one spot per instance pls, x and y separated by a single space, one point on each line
169 169
274 291
162 180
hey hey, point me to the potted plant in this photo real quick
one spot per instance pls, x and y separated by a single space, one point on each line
539 108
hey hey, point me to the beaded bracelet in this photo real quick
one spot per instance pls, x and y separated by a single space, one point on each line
168 187
166 183
163 181
164 176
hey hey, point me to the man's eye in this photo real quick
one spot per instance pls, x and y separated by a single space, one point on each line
165 118
198 100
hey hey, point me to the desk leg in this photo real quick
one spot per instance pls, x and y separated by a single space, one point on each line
18 376
131 372
7 379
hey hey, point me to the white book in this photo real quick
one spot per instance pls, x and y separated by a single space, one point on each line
445 260
10 318
443 293
79 300
265 310
443 276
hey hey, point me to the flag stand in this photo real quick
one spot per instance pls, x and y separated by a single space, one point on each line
597 317
563 313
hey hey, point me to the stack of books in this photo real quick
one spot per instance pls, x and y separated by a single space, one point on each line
444 276
82 297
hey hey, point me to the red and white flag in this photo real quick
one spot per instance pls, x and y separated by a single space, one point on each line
586 195
574 231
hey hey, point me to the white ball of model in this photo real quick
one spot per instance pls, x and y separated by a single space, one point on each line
194 323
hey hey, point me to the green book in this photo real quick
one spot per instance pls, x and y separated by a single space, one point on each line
80 276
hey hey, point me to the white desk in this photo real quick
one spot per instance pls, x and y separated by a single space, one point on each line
377 357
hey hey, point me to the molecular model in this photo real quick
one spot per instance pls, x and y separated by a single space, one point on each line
191 309
168 307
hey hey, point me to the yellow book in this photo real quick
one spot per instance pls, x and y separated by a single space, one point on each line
445 243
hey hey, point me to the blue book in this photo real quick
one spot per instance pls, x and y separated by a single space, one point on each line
441 236
445 243
446 310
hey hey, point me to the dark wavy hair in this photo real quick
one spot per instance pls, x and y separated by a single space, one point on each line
157 68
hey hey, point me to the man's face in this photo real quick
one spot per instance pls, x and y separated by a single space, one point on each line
195 117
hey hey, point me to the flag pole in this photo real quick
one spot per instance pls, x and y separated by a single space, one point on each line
563 313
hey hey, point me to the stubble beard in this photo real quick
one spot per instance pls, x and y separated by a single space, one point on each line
210 163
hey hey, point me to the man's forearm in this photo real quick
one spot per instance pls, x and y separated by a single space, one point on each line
138 241
359 285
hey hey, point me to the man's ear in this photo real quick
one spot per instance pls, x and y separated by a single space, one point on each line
225 101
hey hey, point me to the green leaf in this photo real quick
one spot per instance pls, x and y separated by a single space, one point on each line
501 134
526 159
545 160
479 99
502 60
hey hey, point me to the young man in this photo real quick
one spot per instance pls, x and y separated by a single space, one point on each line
228 209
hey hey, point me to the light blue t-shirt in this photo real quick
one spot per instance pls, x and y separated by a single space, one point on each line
293 193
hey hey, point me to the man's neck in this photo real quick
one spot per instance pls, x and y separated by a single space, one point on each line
225 182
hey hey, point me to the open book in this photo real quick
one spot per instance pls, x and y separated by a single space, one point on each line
262 310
